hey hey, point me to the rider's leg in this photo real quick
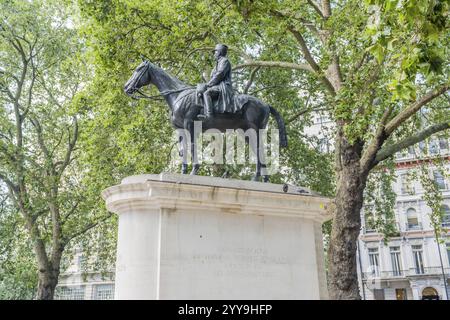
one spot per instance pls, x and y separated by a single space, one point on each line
208 95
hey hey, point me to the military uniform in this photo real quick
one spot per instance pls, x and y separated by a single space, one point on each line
220 86
219 96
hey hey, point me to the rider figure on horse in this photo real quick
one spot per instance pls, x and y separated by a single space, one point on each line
218 92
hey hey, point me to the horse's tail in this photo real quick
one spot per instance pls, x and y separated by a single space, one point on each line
281 127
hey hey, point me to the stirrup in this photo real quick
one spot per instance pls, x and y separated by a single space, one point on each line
205 117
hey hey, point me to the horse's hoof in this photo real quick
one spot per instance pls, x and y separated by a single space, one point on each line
184 169
265 178
195 169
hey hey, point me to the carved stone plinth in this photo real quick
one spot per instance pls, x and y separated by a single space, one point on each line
193 237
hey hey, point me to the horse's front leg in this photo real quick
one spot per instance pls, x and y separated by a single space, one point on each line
195 164
182 140
189 126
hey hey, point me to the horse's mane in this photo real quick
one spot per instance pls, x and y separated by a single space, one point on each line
175 82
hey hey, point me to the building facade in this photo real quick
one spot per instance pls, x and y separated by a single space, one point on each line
414 264
411 265
74 284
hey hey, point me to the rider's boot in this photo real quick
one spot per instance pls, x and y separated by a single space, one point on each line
208 111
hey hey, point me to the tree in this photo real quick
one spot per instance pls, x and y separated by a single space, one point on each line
41 75
18 279
372 66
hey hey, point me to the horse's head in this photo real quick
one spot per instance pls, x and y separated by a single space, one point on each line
140 78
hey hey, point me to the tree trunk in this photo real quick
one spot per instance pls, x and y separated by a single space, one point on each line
48 279
342 267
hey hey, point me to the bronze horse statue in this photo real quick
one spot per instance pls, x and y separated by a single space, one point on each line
185 109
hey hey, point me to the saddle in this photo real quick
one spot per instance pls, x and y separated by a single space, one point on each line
194 97
238 100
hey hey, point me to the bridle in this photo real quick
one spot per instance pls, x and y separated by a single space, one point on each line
142 95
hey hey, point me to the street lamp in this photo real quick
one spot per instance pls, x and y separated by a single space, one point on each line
361 271
440 259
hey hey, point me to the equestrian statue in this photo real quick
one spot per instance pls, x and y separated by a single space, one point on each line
213 103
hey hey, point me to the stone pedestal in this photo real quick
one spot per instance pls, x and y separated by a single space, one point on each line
193 237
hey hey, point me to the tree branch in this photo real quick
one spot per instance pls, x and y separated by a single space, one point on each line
41 142
87 228
380 137
326 9
310 59
8 182
72 210
30 90
274 64
251 79
388 151
208 48
316 7
70 147
413 108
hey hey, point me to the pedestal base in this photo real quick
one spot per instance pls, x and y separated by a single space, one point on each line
192 237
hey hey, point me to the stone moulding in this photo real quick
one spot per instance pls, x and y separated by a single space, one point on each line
172 190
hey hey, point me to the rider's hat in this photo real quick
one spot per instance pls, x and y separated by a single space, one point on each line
221 47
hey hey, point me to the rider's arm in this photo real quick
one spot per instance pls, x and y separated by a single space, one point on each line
222 68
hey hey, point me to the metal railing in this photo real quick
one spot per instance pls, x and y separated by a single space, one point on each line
408 191
405 273
413 226
428 271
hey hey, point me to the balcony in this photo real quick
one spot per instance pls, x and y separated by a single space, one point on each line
405 273
392 274
409 191
427 271
413 226
384 274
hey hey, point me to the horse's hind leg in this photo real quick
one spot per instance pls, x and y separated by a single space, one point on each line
263 163
194 156
254 145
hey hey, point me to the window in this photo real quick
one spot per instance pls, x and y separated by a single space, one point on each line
373 260
81 260
323 145
430 293
422 147
446 216
70 293
400 294
396 261
448 252
443 143
378 294
369 221
104 292
413 221
407 187
434 147
439 179
418 260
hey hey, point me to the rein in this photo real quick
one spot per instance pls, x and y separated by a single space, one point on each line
158 96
